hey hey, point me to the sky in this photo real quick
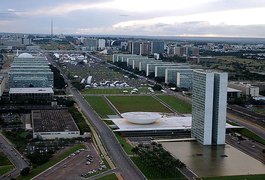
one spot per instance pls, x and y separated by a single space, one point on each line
203 18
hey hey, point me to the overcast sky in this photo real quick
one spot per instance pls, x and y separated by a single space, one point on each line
240 18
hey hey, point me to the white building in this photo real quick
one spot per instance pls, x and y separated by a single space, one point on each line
2 85
51 124
101 44
246 88
209 107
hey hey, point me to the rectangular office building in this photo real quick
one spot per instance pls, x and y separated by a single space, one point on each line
209 107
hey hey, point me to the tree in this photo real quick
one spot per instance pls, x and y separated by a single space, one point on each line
25 171
157 87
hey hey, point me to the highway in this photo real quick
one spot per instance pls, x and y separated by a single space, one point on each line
247 124
113 147
14 156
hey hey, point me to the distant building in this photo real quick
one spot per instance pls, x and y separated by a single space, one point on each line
101 44
90 44
145 48
52 124
246 88
157 47
181 77
136 48
209 107
180 51
2 85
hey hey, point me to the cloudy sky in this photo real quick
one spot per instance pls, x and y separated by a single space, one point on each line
229 18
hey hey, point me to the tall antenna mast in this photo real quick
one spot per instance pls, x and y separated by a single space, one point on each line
51 28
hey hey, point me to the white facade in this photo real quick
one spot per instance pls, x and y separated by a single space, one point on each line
54 135
2 85
247 89
209 107
101 43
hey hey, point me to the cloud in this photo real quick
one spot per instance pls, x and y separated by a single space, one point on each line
137 17
8 14
138 6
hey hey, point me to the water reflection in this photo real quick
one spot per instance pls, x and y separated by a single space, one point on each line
214 160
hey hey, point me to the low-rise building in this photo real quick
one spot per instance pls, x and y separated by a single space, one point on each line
27 94
52 124
246 88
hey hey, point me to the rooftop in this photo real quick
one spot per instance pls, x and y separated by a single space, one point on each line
25 55
53 121
232 90
30 90
164 123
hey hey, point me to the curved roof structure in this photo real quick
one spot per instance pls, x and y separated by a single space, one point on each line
141 117
25 55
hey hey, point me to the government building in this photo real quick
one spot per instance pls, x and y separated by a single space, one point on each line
209 107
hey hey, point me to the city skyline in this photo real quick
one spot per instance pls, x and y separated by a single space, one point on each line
204 18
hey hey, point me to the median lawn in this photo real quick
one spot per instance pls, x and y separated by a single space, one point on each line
251 135
99 104
137 103
53 161
178 104
79 120
5 164
125 145
5 169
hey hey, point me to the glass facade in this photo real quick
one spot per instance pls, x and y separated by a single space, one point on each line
30 72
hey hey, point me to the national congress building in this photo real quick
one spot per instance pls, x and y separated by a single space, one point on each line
209 107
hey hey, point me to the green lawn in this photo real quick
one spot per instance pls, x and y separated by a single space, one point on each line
109 177
79 120
246 177
100 106
5 169
251 135
137 103
126 146
177 104
152 173
4 160
5 164
53 161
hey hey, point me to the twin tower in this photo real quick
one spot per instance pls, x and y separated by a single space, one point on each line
209 101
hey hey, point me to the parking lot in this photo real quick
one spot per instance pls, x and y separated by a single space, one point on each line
83 163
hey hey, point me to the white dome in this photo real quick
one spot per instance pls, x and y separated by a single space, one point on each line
25 55
141 117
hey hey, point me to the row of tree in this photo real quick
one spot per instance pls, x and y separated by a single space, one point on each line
154 156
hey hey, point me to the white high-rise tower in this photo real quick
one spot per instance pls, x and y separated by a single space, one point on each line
209 107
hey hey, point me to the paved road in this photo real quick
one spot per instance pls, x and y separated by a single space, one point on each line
117 154
128 169
247 124
14 156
